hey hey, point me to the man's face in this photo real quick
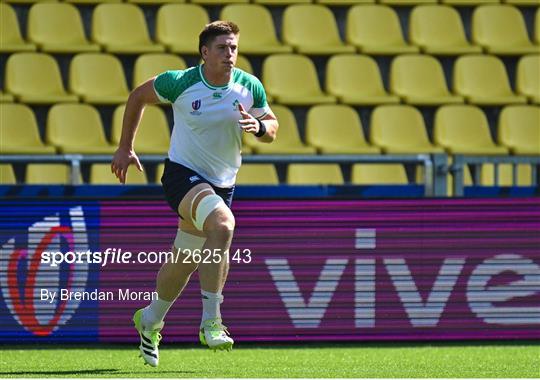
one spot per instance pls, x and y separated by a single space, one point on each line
221 53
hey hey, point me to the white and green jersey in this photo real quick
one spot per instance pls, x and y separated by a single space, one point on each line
206 136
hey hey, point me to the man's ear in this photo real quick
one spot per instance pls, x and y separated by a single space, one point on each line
204 52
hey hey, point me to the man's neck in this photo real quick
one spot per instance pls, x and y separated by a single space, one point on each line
216 78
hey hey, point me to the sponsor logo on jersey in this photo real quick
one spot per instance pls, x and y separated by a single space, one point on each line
216 95
194 178
196 105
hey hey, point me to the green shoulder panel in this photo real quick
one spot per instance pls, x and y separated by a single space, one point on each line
253 84
171 84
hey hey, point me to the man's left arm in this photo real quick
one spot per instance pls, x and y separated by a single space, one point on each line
265 128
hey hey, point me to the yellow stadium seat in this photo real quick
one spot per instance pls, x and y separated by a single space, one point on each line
519 129
77 128
154 2
298 30
178 27
355 79
98 78
29 1
159 173
19 132
7 175
121 29
257 28
537 27
48 174
10 33
35 78
257 174
438 30
219 2
375 29
153 135
83 2
149 65
528 77
281 2
406 2
287 140
344 2
500 29
314 174
336 129
482 80
400 129
5 98
523 175
464 129
384 174
419 80
100 174
291 79
58 28
523 2
243 64
458 3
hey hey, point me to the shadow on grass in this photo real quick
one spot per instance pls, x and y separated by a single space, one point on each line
92 372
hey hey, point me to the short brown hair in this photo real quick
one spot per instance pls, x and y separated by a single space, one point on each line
214 29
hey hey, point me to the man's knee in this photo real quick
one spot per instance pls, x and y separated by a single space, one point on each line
220 224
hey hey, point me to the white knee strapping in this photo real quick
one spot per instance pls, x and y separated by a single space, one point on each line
185 241
206 205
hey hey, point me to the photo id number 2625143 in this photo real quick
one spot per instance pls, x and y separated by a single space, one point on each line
208 256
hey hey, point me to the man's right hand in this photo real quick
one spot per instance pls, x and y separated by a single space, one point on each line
121 160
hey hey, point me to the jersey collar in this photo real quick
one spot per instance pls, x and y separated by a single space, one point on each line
207 84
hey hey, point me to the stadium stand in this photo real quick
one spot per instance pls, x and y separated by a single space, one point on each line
519 129
298 30
314 174
336 129
419 80
58 28
257 26
7 175
388 174
98 78
87 138
10 32
51 174
151 64
400 129
19 131
153 135
438 30
100 174
528 77
355 79
464 129
178 27
257 174
35 78
122 29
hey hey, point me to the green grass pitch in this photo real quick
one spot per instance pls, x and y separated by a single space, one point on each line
375 360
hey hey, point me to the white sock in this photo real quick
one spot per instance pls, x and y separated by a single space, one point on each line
211 307
153 314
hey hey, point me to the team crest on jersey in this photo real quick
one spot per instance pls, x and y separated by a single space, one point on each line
235 105
216 95
196 105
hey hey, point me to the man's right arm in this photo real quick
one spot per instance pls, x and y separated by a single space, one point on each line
125 154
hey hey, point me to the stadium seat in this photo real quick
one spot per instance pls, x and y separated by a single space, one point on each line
178 27
438 30
528 77
153 135
10 33
287 140
344 2
58 28
257 28
419 80
314 174
482 80
406 2
400 129
159 173
505 171
375 29
336 129
384 174
98 78
48 174
85 2
500 29
257 174
19 132
281 2
537 27
519 129
467 3
121 29
355 79
77 128
298 30
100 174
155 2
34 78
219 2
243 63
6 98
7 175
291 79
523 2
149 65
464 129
